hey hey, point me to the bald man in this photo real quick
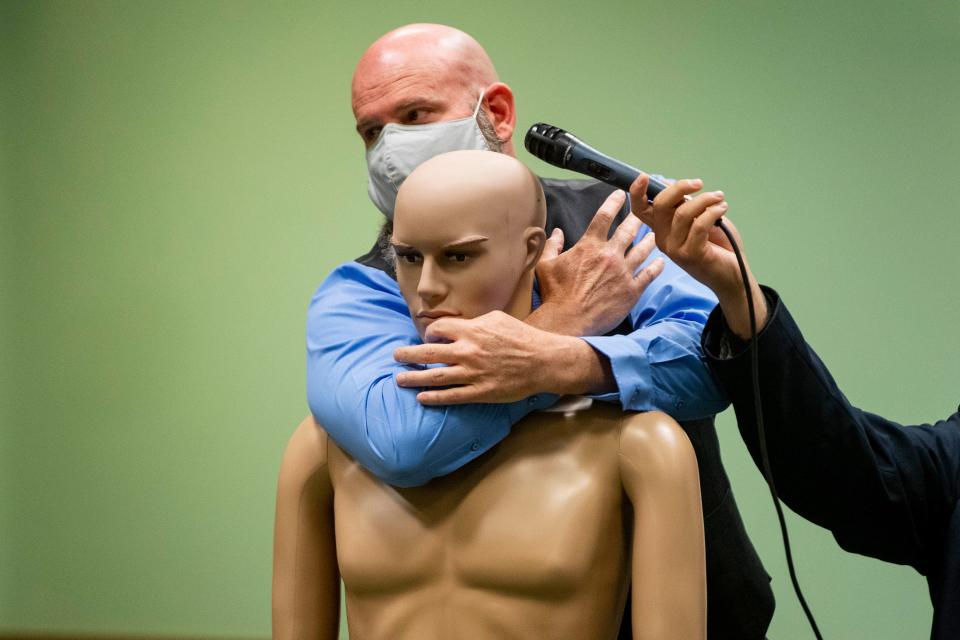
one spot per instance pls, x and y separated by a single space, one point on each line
599 325
542 536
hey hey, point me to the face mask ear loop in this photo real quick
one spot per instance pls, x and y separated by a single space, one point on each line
479 102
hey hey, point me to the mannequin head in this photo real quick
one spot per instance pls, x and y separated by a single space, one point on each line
467 234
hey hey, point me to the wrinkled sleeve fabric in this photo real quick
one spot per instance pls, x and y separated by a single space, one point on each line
882 489
356 319
660 365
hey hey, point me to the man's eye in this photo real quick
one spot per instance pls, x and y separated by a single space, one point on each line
409 258
371 134
413 115
457 257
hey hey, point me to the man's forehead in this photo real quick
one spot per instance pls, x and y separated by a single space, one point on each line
398 90
393 74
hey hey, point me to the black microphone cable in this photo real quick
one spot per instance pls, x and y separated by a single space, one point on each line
562 149
761 434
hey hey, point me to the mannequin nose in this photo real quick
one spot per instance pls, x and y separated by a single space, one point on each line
431 288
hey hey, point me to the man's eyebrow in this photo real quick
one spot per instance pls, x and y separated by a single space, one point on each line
366 123
465 241
406 105
421 101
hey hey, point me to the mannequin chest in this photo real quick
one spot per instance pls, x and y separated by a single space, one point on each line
540 515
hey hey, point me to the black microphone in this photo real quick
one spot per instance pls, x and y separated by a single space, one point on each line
563 149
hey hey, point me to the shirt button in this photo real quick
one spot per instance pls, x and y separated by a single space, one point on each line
474 445
532 400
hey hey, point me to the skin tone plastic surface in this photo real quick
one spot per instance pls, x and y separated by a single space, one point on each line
540 537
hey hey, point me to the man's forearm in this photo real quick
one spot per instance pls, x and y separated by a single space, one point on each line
736 311
555 319
572 366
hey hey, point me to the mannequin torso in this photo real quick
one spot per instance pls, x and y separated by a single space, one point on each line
538 538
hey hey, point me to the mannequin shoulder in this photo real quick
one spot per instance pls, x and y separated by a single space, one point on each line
307 450
652 443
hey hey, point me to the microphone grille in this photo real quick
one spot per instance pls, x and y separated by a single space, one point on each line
548 143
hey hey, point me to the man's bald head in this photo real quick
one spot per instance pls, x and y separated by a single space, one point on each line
448 55
467 233
426 73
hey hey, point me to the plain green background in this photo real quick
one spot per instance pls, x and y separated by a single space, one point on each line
177 178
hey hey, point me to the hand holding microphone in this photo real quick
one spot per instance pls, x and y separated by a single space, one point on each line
687 226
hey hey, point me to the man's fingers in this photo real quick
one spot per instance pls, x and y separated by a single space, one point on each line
646 275
638 197
673 195
444 330
703 229
433 377
553 246
599 227
690 211
626 232
426 354
640 251
454 395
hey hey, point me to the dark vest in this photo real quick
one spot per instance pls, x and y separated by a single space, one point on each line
739 598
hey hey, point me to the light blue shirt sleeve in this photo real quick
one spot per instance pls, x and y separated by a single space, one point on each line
356 319
660 365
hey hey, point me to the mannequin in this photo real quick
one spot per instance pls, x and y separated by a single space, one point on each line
538 538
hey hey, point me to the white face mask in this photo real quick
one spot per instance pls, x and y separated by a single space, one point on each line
401 148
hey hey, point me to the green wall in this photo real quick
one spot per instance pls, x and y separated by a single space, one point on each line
178 177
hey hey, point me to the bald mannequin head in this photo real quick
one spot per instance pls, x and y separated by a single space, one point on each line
423 73
467 233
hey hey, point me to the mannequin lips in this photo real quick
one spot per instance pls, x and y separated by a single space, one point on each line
438 313
425 318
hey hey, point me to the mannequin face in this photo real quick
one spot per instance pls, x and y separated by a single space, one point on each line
466 237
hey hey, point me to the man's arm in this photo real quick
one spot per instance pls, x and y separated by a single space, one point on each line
586 290
356 319
660 365
884 490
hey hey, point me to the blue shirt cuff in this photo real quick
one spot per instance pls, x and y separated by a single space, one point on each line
631 371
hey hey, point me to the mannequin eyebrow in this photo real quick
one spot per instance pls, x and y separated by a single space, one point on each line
465 241
456 244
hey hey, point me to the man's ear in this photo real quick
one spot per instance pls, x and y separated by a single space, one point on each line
534 239
503 114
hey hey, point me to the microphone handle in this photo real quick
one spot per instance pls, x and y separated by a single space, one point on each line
585 159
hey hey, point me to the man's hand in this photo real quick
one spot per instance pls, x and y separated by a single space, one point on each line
590 288
685 228
497 358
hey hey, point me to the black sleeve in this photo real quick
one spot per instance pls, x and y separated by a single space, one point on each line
883 489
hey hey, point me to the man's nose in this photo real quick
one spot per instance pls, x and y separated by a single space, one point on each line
432 289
